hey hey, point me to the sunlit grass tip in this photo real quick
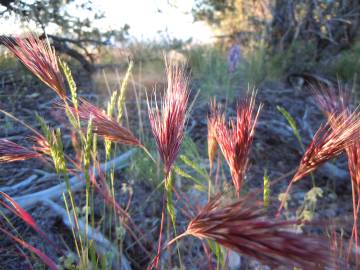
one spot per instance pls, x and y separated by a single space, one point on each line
235 138
106 126
40 58
168 121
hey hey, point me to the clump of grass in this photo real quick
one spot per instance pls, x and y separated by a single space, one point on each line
242 224
210 68
260 62
167 125
346 65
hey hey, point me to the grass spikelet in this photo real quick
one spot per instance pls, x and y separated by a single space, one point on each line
211 136
243 226
41 145
39 57
236 138
340 132
266 193
10 152
168 121
331 100
106 126
334 102
122 91
167 126
71 83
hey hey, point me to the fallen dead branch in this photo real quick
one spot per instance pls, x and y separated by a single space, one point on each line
76 182
20 185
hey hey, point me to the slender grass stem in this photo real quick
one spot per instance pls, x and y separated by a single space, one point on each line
72 203
21 122
283 201
72 227
148 153
158 254
177 238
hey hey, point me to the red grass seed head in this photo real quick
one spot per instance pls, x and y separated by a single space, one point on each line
236 138
39 57
10 152
106 126
213 118
331 100
340 132
41 145
242 226
337 102
168 121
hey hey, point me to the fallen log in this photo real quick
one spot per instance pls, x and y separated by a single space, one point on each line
76 182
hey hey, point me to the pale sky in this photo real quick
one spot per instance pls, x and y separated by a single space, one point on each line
145 17
145 20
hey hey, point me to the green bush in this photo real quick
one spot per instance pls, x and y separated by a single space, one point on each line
209 68
260 63
347 65
7 62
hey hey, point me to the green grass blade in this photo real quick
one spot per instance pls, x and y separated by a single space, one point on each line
266 189
122 96
291 121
